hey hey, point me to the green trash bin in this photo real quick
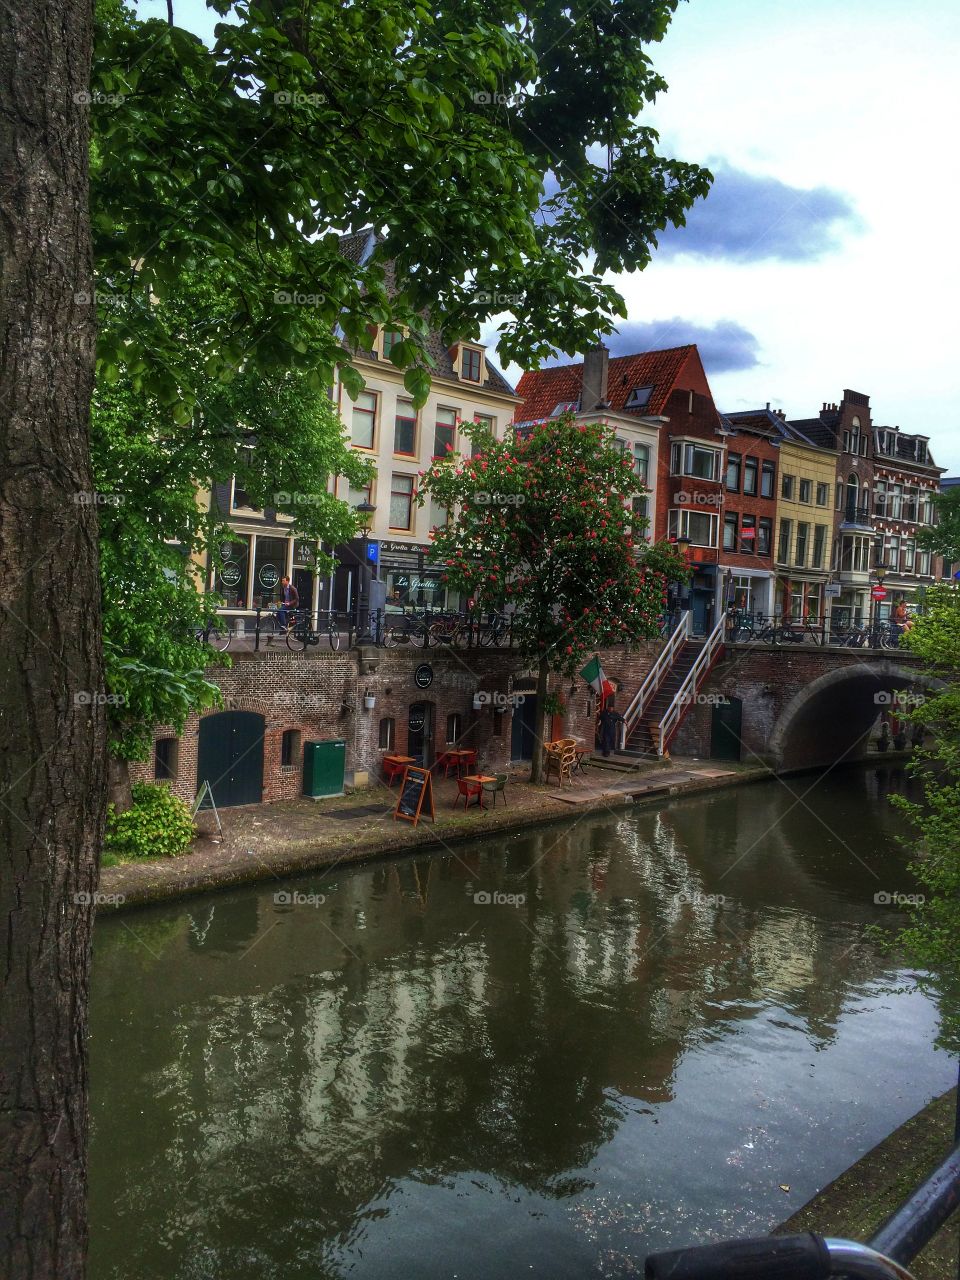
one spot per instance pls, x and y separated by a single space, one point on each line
323 768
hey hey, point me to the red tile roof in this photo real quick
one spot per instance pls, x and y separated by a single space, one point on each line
542 390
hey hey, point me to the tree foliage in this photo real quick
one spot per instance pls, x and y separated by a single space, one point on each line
441 125
278 435
543 521
943 538
933 938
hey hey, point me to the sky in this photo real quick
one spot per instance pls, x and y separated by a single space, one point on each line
826 255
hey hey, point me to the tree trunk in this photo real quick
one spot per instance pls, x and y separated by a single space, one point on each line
119 786
52 732
543 675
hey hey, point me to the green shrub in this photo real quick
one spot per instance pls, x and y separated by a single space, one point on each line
157 825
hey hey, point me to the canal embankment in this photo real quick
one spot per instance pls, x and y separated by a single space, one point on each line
292 837
854 1205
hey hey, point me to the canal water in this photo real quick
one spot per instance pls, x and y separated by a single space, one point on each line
540 1055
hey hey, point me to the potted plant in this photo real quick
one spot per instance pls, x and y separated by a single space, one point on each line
369 701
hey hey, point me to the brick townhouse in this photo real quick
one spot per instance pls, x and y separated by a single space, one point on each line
660 403
749 510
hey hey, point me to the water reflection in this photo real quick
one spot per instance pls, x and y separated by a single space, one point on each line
405 1081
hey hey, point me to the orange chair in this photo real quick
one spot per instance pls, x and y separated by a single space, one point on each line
467 790
468 759
446 762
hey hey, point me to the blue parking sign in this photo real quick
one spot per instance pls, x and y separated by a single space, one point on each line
373 552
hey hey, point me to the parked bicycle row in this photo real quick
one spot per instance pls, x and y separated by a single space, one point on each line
300 629
745 628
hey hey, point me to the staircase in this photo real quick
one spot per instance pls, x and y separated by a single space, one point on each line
669 690
643 739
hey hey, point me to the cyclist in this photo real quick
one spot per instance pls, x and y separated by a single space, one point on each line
289 600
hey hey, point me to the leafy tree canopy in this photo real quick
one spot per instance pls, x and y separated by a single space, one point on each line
933 938
440 125
943 538
544 522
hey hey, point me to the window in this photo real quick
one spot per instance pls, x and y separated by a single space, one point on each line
439 516
230 579
923 562
783 546
839 495
819 545
910 504
269 566
823 493
240 499
390 339
730 521
764 536
290 748
891 552
638 398
471 361
446 432
741 594
800 557
699 527
806 491
487 421
454 726
363 422
401 501
733 472
641 513
768 477
909 554
748 536
405 429
786 487
694 460
641 461
165 759
894 501
387 733
750 476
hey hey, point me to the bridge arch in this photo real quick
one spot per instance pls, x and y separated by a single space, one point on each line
828 719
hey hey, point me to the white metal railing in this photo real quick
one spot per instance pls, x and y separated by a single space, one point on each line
692 681
655 677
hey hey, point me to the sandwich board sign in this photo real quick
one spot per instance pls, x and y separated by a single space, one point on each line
416 795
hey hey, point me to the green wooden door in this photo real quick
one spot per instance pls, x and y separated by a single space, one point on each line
230 757
725 730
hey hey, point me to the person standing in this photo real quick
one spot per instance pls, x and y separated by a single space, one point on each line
289 600
609 719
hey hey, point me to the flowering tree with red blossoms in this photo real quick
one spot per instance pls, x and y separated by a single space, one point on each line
543 521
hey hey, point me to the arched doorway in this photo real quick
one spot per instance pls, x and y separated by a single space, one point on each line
420 732
230 757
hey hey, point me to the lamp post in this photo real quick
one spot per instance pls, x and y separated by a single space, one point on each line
366 511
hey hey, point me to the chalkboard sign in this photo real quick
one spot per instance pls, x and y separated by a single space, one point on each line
416 795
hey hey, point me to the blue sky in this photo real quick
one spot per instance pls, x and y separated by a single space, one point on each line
826 255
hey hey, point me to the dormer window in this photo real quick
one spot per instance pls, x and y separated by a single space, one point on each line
639 398
565 406
471 364
390 339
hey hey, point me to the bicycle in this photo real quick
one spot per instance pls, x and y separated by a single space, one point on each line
404 629
303 633
449 629
216 634
492 633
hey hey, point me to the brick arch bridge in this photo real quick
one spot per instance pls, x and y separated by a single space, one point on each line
801 706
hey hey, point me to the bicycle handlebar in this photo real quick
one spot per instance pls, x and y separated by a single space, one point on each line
803 1257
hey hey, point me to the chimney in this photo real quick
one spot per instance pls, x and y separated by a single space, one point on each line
595 370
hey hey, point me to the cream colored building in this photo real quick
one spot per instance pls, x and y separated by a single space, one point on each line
803 531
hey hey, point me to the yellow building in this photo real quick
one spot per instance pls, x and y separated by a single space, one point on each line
803 545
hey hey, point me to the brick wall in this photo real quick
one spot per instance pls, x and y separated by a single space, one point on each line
321 696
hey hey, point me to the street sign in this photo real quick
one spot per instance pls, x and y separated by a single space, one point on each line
879 593
373 552
832 589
